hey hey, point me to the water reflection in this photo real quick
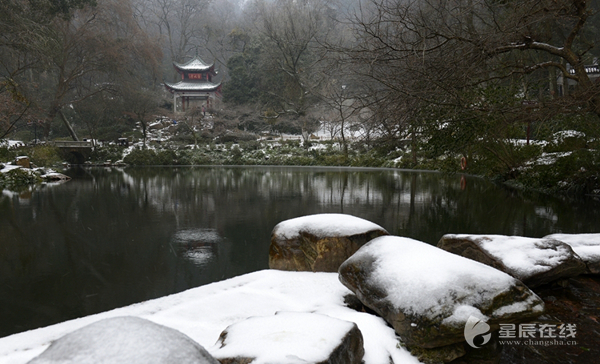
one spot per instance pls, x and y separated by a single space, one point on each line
112 237
197 245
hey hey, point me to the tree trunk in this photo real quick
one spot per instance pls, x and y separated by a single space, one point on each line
68 125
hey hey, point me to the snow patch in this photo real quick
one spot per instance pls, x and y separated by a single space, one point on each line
325 225
124 340
293 337
202 313
524 256
587 246
427 281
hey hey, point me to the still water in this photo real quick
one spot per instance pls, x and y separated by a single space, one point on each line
112 237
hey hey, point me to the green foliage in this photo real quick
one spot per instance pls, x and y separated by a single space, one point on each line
108 152
44 156
162 157
40 155
502 159
250 145
7 154
141 157
242 87
168 157
369 159
577 172
236 136
18 179
112 129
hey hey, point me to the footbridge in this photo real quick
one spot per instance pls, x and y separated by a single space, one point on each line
74 152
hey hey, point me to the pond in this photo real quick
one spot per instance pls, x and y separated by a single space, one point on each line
112 237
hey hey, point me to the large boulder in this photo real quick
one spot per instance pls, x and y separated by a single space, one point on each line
427 294
291 338
532 261
124 340
23 161
319 243
587 246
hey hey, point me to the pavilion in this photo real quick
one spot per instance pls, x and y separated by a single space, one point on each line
196 88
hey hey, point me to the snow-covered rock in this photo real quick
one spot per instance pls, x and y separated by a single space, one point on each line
587 246
292 337
55 176
202 313
126 340
427 294
532 261
23 161
319 243
51 175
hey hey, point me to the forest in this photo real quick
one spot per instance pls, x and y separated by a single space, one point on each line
506 89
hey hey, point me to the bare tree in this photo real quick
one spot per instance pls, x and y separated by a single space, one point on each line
435 50
344 110
179 24
292 29
86 52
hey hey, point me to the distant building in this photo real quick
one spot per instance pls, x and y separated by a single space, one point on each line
196 88
593 72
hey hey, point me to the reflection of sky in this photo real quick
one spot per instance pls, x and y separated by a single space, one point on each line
197 245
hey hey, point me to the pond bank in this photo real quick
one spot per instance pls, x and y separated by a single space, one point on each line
569 174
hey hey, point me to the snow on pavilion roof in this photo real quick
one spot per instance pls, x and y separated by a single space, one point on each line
196 64
192 86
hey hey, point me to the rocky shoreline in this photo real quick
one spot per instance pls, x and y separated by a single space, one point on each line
563 265
22 174
442 306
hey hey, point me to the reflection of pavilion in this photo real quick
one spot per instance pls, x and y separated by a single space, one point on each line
197 245
196 88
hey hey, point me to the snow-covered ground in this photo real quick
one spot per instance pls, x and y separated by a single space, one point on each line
8 167
203 313
11 143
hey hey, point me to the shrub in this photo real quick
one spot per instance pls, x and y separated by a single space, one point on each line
251 145
166 157
44 156
577 172
18 179
7 154
141 157
109 152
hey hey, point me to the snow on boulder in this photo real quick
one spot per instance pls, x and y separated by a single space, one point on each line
124 340
23 161
427 294
50 175
587 246
319 243
532 261
290 338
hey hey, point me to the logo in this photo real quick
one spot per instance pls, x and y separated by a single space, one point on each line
475 327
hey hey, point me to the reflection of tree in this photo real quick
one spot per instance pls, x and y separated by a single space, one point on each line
108 237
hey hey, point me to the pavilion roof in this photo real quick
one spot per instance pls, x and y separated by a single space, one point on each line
203 86
195 64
